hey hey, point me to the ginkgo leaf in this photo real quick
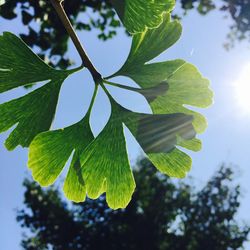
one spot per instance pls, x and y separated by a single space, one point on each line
157 135
20 66
151 43
50 151
100 165
105 165
179 84
194 144
137 15
34 112
170 85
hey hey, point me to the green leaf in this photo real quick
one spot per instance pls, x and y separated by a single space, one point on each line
20 66
101 165
179 84
194 144
137 15
168 86
175 163
151 43
50 151
105 165
34 112
157 134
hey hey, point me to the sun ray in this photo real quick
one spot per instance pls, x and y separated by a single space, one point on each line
242 89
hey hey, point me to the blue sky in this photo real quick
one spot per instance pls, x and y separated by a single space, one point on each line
226 139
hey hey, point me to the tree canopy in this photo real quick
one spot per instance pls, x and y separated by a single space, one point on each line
46 32
163 214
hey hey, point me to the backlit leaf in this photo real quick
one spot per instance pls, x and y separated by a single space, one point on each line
100 165
137 15
34 112
151 43
105 165
179 84
157 135
168 86
50 151
19 66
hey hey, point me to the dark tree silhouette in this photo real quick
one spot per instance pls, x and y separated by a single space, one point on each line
237 10
48 35
163 215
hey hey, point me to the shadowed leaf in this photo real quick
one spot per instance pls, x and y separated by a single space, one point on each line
157 135
183 83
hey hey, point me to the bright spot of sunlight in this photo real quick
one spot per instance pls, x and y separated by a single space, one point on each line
242 89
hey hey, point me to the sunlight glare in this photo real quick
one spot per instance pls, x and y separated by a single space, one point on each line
242 89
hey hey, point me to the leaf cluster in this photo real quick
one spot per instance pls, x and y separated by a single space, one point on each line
101 165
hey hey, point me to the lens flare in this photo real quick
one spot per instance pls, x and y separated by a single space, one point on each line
242 89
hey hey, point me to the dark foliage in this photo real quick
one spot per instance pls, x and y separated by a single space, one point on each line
237 10
162 215
46 33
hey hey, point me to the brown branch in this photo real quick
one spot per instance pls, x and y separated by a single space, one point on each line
58 5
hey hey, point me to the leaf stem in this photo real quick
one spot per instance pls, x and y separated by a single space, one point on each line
106 91
58 5
120 85
92 100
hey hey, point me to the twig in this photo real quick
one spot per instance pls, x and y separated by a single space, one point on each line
58 5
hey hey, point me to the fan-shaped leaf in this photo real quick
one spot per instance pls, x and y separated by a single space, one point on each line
50 151
101 165
105 165
151 43
20 66
168 86
34 112
157 134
